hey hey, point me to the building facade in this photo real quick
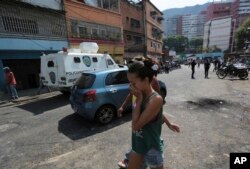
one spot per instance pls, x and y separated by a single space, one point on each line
96 21
153 30
218 33
218 9
193 25
171 26
26 32
240 11
133 29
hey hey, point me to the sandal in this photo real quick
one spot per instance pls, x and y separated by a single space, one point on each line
123 164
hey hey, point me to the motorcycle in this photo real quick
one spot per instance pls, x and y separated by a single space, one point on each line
233 70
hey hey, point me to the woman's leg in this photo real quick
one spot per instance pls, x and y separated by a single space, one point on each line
135 161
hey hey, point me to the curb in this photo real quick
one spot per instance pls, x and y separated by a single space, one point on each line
27 98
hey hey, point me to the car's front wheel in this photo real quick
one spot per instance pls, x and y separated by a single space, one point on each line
105 114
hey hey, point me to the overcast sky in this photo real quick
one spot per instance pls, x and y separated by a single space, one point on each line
166 4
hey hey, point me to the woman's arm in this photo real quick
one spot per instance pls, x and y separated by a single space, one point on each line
152 109
124 104
171 126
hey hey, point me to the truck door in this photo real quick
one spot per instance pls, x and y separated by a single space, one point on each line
117 86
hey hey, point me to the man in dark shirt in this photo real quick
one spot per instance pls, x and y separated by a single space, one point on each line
193 63
206 67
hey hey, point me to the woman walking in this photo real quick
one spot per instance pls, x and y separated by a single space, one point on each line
147 145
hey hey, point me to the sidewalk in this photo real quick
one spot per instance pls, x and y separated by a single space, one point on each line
24 95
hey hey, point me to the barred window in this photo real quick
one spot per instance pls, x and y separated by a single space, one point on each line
17 25
88 30
82 31
22 21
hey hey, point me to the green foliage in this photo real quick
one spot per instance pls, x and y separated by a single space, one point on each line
177 43
243 34
196 45
182 44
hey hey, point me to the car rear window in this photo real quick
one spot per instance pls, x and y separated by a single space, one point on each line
85 81
116 78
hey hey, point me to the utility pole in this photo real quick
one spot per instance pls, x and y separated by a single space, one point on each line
232 44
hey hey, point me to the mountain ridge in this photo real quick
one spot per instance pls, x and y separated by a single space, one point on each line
196 9
193 10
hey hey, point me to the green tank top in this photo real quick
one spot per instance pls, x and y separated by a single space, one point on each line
150 135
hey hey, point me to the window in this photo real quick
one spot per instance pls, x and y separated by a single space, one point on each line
138 40
85 81
116 78
77 60
127 20
94 32
129 38
103 33
94 59
50 64
106 4
17 25
135 23
153 14
82 31
87 30
74 28
110 62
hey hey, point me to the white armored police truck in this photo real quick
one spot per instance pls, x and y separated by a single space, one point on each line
60 70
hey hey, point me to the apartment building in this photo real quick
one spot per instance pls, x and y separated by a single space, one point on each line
97 21
193 25
27 30
171 26
218 9
240 11
153 29
133 28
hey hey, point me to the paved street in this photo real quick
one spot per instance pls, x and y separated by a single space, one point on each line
214 116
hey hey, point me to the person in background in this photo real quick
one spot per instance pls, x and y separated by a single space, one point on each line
206 67
193 63
155 68
42 86
11 83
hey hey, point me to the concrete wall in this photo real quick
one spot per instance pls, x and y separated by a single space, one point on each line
220 33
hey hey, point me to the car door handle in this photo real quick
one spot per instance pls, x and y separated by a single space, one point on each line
113 90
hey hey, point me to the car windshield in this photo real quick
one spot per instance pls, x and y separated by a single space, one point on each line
85 81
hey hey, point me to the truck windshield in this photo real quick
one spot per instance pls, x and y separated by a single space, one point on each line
85 81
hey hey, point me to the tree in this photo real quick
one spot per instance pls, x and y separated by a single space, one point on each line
196 45
177 43
243 34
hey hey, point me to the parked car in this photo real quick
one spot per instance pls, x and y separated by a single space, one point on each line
98 95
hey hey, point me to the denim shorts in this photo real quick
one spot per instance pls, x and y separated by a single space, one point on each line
154 158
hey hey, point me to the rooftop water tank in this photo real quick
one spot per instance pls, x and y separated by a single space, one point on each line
89 47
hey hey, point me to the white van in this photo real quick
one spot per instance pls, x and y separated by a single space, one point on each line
62 69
